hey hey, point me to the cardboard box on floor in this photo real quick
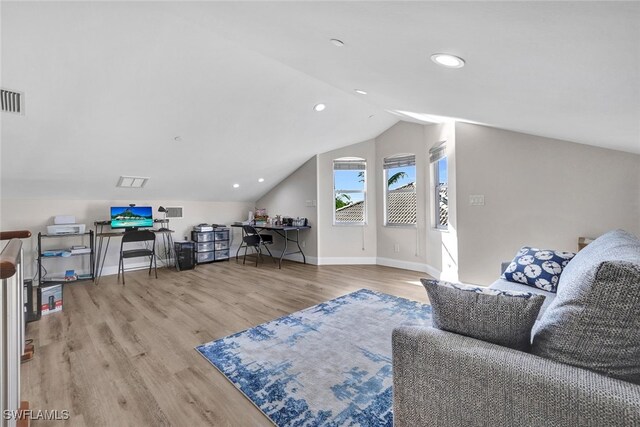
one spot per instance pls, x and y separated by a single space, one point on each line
50 298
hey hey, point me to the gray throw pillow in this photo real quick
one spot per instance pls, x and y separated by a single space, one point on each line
594 321
500 317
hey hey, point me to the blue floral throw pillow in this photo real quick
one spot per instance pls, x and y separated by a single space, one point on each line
540 268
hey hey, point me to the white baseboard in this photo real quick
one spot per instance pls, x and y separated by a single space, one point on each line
388 262
109 270
347 261
409 265
433 272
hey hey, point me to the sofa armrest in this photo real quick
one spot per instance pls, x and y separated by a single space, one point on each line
444 379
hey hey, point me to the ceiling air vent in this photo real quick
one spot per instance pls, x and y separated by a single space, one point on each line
12 102
174 211
132 181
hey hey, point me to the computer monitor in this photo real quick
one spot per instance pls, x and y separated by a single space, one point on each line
131 217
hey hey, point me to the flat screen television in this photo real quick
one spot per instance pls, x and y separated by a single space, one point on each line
131 217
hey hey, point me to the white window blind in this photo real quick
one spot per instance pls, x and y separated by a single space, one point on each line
349 165
437 152
399 162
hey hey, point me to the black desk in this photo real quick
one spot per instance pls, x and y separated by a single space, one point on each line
101 253
282 231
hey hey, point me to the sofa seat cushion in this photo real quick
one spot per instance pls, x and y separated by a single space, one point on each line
500 317
594 321
505 285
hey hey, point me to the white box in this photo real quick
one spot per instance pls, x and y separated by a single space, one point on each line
64 219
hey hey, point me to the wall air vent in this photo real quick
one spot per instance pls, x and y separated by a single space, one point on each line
12 101
132 181
174 211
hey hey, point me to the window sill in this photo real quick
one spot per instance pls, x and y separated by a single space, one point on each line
354 224
409 226
441 230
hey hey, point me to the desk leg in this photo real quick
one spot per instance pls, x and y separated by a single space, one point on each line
97 259
101 261
171 249
304 259
241 244
165 243
284 251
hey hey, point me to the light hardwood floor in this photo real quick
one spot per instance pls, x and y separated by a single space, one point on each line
120 356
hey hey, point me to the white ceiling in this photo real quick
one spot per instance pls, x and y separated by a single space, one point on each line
109 85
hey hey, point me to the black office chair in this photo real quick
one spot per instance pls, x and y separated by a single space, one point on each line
133 237
255 240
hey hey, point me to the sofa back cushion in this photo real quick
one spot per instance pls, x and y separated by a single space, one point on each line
505 285
594 321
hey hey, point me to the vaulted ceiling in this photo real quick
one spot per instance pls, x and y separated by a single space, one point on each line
110 85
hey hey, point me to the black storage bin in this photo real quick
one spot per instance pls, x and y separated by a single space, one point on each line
185 254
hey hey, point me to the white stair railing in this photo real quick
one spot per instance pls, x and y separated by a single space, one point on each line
12 329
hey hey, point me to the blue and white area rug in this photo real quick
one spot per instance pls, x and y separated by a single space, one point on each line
327 365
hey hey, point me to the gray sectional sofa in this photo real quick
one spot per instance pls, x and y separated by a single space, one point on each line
587 337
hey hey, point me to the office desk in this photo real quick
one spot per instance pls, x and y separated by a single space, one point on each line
101 253
282 231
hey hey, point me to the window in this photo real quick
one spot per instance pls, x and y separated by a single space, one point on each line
349 191
400 195
438 160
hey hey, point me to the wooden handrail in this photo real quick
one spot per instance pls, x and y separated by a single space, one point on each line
16 234
9 258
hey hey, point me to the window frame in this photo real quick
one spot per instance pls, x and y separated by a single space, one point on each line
337 191
385 182
437 154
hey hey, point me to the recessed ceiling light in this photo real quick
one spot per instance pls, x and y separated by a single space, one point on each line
337 42
361 92
236 185
319 107
178 139
260 179
447 60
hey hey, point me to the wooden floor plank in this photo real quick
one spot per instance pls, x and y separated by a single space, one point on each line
124 355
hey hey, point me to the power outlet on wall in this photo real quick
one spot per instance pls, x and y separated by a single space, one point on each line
396 247
476 200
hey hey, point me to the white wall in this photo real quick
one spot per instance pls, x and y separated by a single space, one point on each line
342 244
442 245
538 191
421 246
36 214
291 198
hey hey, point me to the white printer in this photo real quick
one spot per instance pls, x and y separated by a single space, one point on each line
65 224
